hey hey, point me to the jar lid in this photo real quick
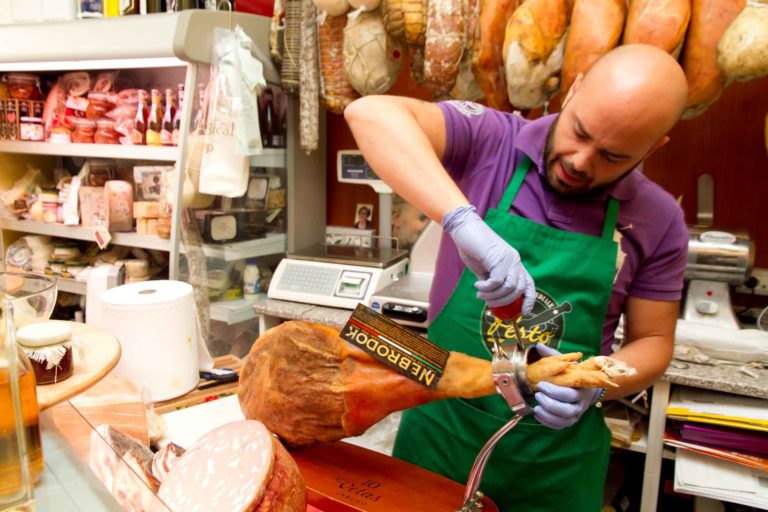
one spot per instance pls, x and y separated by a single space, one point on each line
43 334
83 122
31 120
21 77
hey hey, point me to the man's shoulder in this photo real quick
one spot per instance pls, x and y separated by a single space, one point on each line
469 111
657 211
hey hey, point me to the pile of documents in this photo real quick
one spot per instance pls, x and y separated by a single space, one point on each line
722 442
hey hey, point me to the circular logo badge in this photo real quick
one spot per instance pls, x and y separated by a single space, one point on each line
545 325
468 108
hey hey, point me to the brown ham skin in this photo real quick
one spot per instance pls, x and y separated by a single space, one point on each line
487 59
709 19
595 28
336 91
286 490
308 385
661 23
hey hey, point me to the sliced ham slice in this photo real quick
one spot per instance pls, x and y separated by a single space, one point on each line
237 467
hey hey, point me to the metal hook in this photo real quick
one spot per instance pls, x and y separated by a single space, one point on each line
229 8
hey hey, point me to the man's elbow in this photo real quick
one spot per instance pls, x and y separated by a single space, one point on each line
357 111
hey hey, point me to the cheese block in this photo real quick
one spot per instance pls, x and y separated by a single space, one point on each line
147 227
147 210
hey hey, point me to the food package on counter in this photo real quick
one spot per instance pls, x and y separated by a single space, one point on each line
93 207
119 202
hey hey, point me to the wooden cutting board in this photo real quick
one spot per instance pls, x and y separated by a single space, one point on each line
94 355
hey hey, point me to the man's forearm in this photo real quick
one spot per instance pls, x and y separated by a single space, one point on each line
650 356
390 131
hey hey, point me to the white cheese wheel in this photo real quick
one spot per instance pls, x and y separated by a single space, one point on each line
43 334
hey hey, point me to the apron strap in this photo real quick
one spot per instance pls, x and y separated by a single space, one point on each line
611 216
514 184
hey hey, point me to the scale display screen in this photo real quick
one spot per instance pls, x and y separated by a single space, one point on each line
352 166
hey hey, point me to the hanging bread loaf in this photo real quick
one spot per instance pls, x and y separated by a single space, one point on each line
533 51
336 91
709 20
742 53
595 29
309 102
446 35
308 385
660 23
487 53
332 7
372 61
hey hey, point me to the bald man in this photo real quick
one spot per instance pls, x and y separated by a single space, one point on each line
552 210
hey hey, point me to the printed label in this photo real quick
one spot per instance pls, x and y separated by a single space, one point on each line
402 350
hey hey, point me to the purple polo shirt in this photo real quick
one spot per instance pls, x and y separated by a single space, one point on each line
483 148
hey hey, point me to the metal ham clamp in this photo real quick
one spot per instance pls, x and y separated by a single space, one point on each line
511 383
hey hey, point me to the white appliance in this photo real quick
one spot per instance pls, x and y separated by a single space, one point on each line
335 275
406 301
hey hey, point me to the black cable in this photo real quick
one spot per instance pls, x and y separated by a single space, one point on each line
750 283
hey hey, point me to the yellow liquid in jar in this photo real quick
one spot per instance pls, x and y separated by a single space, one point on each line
10 472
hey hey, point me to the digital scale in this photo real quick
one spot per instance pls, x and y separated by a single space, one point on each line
337 276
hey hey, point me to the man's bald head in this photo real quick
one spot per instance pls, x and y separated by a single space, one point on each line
614 117
638 82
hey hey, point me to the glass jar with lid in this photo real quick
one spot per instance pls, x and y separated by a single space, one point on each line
23 86
84 130
105 132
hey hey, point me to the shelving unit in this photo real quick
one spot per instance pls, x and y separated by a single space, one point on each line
235 311
154 46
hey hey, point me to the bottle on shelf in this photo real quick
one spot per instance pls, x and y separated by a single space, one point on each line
155 120
269 119
166 132
177 117
200 108
251 279
139 136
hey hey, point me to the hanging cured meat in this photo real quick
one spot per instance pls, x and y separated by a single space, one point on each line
308 385
533 51
595 29
742 53
405 20
309 80
336 91
238 467
709 19
364 5
372 61
660 23
444 45
332 7
466 87
487 57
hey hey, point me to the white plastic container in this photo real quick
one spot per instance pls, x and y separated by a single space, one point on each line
59 10
251 280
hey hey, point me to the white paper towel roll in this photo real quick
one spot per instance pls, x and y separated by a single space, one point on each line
156 326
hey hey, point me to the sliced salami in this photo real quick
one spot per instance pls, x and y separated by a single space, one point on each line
165 459
239 466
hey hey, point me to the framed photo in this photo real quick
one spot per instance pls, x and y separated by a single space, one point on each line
363 216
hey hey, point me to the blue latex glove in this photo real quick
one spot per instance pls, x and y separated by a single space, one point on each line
558 406
496 263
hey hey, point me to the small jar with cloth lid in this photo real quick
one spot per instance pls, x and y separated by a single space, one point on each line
48 345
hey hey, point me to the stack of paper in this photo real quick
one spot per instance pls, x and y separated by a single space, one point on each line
719 479
689 404
623 424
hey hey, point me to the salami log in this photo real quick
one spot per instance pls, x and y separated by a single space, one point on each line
446 35
237 467
742 53
308 385
660 23
487 53
709 19
533 51
309 80
336 91
595 29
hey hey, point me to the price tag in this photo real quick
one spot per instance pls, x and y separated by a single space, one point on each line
102 237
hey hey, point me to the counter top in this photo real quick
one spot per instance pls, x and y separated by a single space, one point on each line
726 378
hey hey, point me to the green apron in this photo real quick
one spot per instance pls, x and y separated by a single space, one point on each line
533 467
